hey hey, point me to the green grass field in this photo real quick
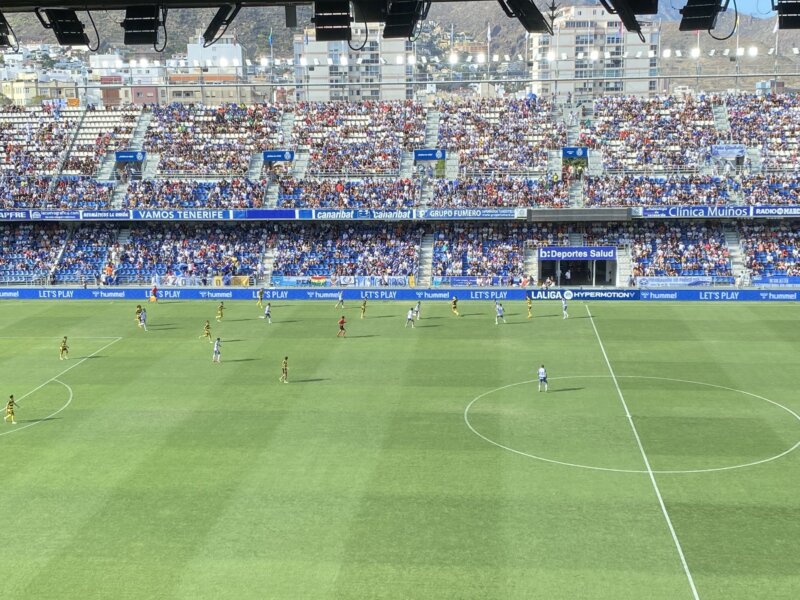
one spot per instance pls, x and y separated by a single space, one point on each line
139 469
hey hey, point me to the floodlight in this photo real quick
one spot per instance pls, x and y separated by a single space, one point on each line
343 60
222 19
65 24
6 34
594 55
141 25
701 15
752 51
551 56
667 53
695 52
528 14
788 13
453 59
332 20
264 61
412 60
481 58
625 11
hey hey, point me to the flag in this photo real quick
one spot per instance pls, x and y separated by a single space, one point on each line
270 37
489 32
318 280
775 29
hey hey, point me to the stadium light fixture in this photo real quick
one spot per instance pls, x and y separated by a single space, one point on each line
695 52
651 54
65 24
639 54
528 14
332 21
667 53
360 60
223 62
481 58
626 11
701 15
141 25
726 52
752 51
563 56
607 55
679 53
424 60
495 58
316 62
796 50
222 19
469 58
343 60
399 59
740 52
329 60
303 61
551 56
453 60
507 58
594 55
143 63
712 52
133 63
788 13
411 60
579 56
263 61
771 51
7 37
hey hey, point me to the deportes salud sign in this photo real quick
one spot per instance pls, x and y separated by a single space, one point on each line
578 253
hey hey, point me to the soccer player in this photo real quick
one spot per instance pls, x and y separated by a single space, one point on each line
217 356
342 330
10 409
260 303
285 370
143 319
154 294
542 378
530 306
268 313
454 306
206 332
341 299
63 351
417 307
564 307
138 312
410 318
220 311
499 313
363 307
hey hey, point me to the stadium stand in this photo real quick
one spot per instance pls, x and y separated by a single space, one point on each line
771 248
28 251
338 193
34 139
771 188
632 190
500 136
771 121
678 249
85 255
216 141
101 131
352 249
365 138
66 193
492 192
236 193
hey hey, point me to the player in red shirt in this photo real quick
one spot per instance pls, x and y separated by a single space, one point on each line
154 294
342 330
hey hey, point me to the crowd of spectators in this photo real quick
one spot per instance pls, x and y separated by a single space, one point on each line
630 190
33 140
189 253
28 251
771 121
500 135
382 192
365 138
678 249
490 250
771 248
352 249
197 140
655 133
66 193
227 194
771 188
85 254
495 192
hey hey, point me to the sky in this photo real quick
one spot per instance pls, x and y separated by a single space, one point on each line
758 8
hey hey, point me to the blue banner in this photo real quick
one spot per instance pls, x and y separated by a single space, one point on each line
278 155
130 155
430 154
574 152
322 214
264 214
696 212
578 253
55 215
698 280
775 211
471 213
728 150
404 294
159 214
775 280
105 215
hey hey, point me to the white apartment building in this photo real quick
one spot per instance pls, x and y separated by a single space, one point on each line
382 70
590 54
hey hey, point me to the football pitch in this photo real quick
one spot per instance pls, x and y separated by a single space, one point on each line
661 464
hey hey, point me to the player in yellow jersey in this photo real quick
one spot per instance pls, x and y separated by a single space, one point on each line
260 297
138 312
206 333
454 306
10 409
285 370
363 308
220 310
530 306
63 351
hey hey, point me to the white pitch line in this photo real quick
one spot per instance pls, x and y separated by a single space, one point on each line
50 416
80 362
646 461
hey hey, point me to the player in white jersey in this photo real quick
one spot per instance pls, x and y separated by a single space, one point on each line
340 302
564 307
499 313
216 357
542 378
268 312
143 319
416 310
410 318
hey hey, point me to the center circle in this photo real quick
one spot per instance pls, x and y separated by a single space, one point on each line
506 424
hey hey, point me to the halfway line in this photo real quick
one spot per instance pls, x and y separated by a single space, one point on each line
646 460
81 361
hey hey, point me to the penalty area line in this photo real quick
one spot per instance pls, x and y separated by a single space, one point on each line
68 369
649 469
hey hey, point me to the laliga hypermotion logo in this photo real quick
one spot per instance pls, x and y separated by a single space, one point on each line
567 294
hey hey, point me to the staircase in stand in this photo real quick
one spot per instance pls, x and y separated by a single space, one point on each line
451 166
256 165
406 165
576 194
721 120
271 195
432 129
300 163
150 167
137 140
287 125
118 197
624 266
532 264
734 244
105 171
554 161
425 261
268 260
